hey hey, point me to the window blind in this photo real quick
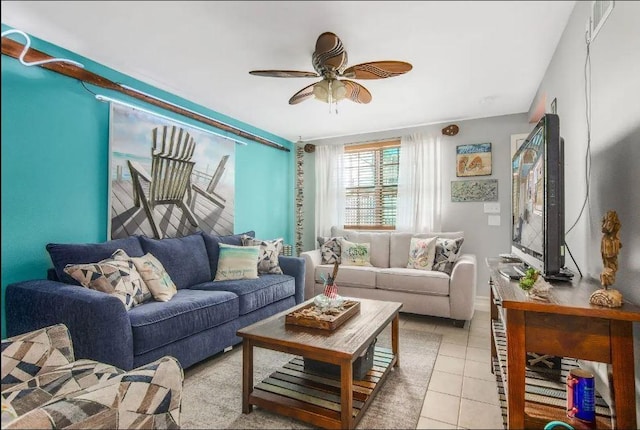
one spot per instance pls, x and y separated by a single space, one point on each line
371 178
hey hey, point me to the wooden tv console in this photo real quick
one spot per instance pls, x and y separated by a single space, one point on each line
568 326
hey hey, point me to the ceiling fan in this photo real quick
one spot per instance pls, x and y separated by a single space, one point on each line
329 61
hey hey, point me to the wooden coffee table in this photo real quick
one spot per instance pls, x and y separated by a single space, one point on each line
322 400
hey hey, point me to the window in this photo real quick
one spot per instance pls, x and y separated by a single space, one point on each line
371 178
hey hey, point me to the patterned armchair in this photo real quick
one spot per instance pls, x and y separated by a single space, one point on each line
44 387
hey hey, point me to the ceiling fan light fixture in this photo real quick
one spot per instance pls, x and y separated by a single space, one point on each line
329 91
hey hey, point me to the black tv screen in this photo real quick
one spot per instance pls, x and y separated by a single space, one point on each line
537 200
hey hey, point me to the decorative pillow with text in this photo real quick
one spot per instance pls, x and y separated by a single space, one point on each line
355 254
237 262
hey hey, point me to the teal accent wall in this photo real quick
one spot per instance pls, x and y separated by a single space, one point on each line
55 151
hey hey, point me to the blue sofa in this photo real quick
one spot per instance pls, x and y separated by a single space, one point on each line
199 321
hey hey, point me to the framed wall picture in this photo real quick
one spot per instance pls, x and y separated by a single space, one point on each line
478 190
166 178
473 159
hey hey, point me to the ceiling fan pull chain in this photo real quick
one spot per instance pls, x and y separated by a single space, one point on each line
330 95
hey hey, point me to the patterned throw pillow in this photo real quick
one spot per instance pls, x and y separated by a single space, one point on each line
355 254
116 276
322 239
155 277
237 262
447 252
422 252
331 250
269 251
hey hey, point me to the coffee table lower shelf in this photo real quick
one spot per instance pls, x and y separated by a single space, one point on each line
314 397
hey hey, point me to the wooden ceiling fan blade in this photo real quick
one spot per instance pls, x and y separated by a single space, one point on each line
302 95
356 92
377 70
284 74
330 54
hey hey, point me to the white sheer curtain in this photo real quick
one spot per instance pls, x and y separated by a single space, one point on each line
419 200
330 192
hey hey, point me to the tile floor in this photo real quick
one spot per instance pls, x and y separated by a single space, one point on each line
462 392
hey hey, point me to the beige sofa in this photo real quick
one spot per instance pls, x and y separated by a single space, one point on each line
421 292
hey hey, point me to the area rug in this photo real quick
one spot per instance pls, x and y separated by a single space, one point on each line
212 396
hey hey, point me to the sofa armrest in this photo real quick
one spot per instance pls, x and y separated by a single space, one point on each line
462 287
294 266
98 322
48 348
312 259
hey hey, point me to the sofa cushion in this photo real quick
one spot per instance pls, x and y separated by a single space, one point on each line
349 276
212 243
184 258
378 242
62 254
156 324
400 242
58 383
413 281
256 293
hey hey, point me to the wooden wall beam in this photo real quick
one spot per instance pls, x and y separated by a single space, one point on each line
13 49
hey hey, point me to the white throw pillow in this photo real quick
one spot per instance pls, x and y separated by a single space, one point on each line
355 254
422 252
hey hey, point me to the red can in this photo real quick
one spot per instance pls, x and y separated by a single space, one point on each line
581 395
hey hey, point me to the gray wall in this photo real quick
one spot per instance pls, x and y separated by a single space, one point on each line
615 141
480 238
615 135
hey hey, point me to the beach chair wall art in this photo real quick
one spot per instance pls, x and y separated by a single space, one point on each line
171 167
168 179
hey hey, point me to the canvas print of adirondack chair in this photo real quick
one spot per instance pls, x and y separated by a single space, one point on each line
210 192
170 178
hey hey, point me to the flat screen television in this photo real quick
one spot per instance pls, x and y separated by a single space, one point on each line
537 199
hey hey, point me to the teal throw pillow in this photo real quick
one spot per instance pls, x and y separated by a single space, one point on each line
237 262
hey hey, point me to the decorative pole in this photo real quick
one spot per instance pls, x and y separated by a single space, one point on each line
609 248
299 196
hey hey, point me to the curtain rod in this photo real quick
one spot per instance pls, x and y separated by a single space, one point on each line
104 98
14 49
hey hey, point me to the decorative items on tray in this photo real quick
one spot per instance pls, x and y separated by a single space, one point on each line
534 285
329 301
328 310
609 249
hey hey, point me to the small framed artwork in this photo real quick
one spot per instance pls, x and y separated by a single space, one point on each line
478 190
473 160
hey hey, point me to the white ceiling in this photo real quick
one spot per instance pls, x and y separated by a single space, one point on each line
470 59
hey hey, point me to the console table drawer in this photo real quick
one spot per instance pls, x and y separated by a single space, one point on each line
557 334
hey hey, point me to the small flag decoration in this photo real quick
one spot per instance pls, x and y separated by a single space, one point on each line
331 291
